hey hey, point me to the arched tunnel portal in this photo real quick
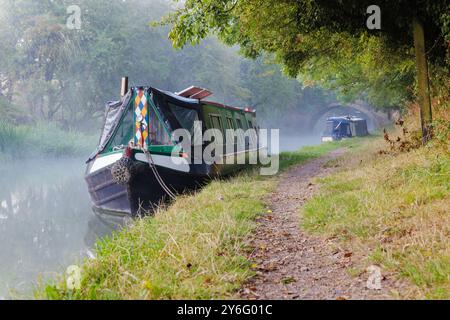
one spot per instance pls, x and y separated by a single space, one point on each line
375 119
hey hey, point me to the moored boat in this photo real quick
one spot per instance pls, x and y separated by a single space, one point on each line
141 161
338 128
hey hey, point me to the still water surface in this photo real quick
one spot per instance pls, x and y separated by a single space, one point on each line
46 222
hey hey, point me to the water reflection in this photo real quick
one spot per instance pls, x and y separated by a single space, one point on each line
46 222
102 225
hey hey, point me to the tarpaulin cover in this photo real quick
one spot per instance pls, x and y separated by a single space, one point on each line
161 99
113 114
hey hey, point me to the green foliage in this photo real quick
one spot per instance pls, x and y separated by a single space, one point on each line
361 67
42 140
7 111
66 75
323 42
9 136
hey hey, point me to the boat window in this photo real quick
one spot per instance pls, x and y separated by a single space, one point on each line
216 122
124 132
230 123
239 123
186 117
157 132
250 124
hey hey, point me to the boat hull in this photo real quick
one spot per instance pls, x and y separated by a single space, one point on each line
142 194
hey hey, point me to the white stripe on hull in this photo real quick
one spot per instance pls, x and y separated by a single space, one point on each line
174 163
177 164
102 162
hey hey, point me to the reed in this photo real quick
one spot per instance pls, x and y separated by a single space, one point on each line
195 249
42 140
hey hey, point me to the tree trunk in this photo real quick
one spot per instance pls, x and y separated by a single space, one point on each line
422 80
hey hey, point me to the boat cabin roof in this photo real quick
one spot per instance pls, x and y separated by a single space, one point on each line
185 99
175 99
346 119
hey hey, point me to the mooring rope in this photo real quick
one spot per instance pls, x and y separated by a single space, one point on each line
158 177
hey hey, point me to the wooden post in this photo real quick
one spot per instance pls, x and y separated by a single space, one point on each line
422 80
124 87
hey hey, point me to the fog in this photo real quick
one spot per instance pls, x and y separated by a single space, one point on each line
65 73
55 79
46 222
291 142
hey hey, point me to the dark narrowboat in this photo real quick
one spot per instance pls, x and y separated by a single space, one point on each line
138 163
338 128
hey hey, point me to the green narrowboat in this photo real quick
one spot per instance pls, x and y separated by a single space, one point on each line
139 162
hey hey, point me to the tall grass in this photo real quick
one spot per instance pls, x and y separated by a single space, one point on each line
42 140
9 137
288 159
392 209
195 249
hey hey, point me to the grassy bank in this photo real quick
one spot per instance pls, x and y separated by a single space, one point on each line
42 140
195 249
391 210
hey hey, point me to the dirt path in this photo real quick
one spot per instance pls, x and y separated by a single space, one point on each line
292 264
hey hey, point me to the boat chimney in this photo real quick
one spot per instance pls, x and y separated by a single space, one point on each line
124 87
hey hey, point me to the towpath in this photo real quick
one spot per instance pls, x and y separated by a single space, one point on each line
294 265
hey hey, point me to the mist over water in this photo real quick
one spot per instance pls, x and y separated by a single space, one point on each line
290 142
293 138
46 222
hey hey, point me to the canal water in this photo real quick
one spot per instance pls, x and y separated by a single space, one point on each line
46 222
289 142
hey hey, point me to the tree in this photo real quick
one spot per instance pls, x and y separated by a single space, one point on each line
304 33
63 75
